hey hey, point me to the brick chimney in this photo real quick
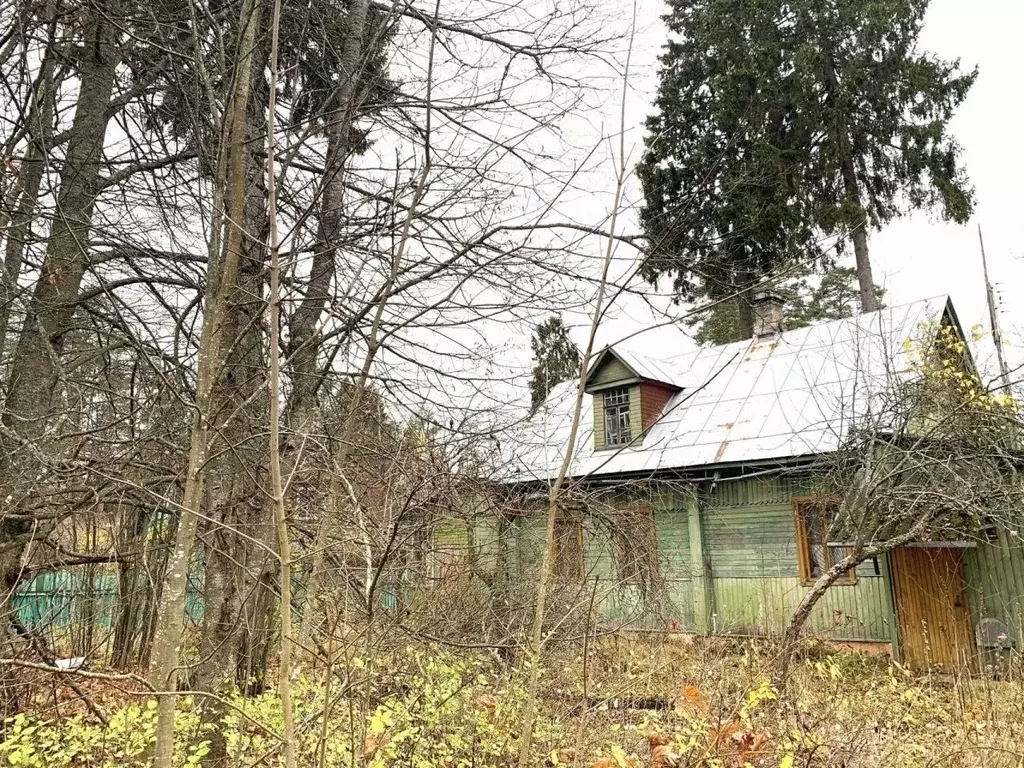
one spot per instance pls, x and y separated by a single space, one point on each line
767 309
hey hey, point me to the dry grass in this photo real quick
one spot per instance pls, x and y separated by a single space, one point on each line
844 709
635 702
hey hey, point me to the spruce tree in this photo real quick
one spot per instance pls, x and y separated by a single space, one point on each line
556 359
834 296
780 123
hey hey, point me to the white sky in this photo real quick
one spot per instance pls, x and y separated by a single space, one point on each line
919 256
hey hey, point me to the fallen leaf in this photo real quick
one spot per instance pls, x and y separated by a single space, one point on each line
657 740
372 744
559 757
663 756
486 702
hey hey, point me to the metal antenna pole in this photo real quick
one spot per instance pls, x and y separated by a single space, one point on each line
993 318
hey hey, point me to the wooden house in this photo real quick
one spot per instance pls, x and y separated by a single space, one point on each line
696 470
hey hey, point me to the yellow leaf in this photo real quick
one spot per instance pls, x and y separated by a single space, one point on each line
787 762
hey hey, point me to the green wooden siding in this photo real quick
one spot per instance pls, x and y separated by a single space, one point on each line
616 603
674 560
598 420
484 544
748 534
750 542
611 370
760 491
529 533
750 537
451 532
755 606
994 572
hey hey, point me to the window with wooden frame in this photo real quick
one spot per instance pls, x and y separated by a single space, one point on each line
568 554
617 417
636 546
814 518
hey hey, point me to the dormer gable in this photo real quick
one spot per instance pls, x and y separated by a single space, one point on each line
629 395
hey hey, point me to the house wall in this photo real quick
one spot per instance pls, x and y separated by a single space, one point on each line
994 572
750 536
598 409
747 580
653 398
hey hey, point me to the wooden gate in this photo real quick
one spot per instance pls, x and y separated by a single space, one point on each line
931 607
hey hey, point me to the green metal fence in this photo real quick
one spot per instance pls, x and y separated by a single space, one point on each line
58 601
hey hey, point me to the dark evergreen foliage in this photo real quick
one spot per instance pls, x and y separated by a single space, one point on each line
834 297
556 359
779 124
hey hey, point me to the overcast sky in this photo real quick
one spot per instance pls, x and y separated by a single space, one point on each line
919 256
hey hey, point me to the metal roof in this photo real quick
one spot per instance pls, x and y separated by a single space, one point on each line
795 394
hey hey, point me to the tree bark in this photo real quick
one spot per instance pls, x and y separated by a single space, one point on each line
35 374
132 590
229 186
240 569
795 625
236 566
40 129
303 347
851 186
744 318
865 280
302 353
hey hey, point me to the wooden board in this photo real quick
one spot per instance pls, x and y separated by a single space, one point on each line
931 607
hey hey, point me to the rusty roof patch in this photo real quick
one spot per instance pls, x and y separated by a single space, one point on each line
721 451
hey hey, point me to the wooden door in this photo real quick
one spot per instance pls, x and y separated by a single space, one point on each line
931 607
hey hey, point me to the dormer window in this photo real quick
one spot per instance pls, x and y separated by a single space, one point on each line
616 417
630 395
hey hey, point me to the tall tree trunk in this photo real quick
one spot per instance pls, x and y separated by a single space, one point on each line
35 375
744 317
865 280
284 680
303 347
236 566
229 187
240 568
132 590
848 169
40 129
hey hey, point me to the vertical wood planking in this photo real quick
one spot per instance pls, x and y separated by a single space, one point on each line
699 573
931 603
995 582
